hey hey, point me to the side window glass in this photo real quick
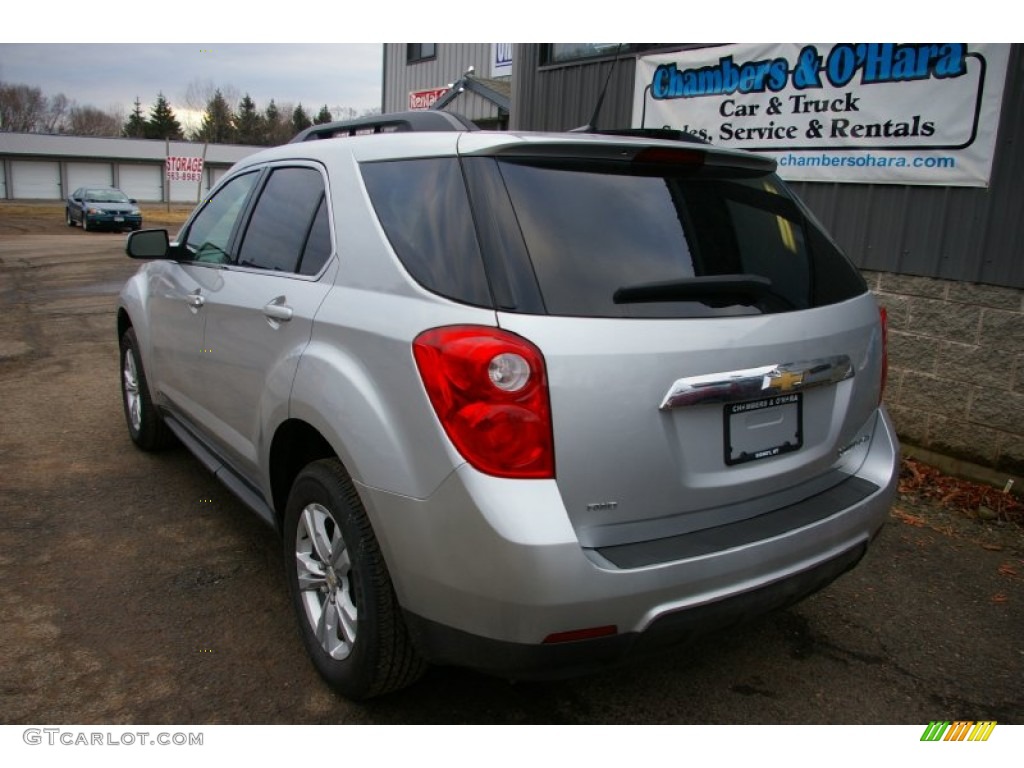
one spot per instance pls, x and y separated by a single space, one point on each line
210 233
424 209
318 244
280 225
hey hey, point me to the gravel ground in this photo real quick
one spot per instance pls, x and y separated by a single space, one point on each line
135 589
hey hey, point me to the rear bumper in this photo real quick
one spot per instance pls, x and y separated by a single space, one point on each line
446 645
486 569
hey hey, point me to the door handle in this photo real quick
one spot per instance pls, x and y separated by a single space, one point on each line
195 300
278 310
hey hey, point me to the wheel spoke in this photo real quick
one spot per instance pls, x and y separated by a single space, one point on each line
316 528
339 557
311 572
327 628
348 614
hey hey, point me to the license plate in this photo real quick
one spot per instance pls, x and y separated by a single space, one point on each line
761 429
119 218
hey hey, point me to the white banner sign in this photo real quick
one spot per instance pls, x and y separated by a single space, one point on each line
859 112
501 59
184 168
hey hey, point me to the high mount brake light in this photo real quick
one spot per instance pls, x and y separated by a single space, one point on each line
669 156
489 389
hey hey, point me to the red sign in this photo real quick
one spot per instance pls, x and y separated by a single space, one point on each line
184 168
425 99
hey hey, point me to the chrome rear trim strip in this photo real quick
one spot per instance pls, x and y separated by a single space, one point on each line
752 383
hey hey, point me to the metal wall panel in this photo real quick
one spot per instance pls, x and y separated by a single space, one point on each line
561 97
451 62
957 233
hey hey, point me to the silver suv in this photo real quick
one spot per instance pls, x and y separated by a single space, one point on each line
526 403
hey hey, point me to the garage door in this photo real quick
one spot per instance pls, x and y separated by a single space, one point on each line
35 180
142 182
217 174
89 175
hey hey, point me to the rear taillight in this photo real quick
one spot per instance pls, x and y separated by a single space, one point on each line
884 318
489 389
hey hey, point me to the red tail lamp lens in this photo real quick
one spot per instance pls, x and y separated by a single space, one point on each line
489 389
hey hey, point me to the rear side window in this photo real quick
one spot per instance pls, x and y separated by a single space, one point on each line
287 217
605 242
423 207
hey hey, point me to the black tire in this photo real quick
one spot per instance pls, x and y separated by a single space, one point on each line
67 217
369 652
145 425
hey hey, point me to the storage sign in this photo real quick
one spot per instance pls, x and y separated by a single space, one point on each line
184 168
854 112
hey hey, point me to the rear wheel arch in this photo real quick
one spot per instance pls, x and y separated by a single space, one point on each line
296 444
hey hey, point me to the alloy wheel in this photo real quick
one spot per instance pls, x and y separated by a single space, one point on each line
325 581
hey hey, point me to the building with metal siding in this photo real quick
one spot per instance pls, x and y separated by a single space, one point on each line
405 73
49 167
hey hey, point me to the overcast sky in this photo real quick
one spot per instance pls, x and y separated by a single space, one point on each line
112 75
107 74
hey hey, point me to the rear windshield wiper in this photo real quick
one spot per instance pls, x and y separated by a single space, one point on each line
713 290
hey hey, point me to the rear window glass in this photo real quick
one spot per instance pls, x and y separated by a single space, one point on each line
605 243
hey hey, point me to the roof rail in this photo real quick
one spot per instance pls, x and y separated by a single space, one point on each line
395 122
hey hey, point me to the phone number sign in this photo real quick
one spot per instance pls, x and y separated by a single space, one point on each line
184 168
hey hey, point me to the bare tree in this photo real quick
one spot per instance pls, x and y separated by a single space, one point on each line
22 108
55 118
343 113
90 121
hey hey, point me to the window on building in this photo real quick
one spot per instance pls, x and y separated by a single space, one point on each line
559 53
569 53
415 52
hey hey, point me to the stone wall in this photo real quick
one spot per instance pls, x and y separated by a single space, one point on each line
956 367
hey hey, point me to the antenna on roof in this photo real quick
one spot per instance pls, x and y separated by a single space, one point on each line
591 125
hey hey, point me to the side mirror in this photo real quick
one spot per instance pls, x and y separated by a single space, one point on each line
132 200
148 244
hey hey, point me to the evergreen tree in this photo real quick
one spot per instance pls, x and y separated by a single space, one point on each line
276 129
162 122
218 121
300 120
135 125
324 116
249 125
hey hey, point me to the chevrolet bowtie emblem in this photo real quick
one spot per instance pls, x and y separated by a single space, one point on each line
783 381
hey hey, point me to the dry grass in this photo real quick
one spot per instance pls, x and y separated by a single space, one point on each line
153 214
